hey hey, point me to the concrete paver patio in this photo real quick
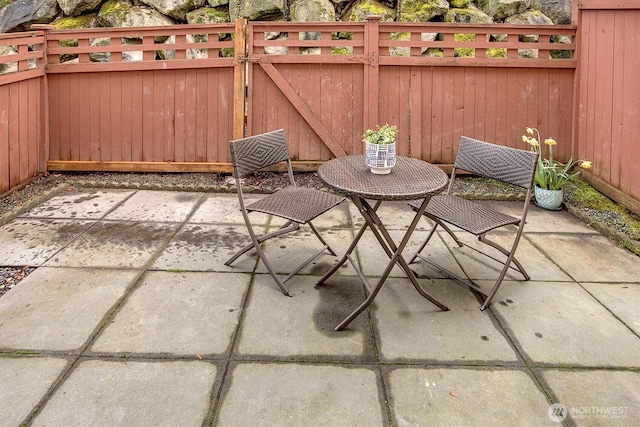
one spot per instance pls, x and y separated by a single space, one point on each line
132 319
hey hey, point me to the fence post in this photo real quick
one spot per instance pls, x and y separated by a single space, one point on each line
44 98
371 72
239 78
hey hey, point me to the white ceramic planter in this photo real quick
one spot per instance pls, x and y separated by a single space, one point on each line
549 199
380 157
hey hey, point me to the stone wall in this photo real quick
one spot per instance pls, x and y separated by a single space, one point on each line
18 15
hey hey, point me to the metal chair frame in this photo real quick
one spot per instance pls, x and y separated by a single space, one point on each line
508 165
297 205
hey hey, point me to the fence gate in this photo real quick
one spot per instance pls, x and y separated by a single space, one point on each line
311 84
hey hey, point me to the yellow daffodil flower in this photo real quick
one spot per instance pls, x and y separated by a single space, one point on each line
550 173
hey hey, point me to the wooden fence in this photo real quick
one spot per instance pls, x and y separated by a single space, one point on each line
325 90
170 98
163 103
22 116
607 111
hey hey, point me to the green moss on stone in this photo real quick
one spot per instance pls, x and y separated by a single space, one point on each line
361 10
459 3
207 15
465 52
471 15
560 54
497 52
5 3
341 50
119 8
460 12
422 10
227 52
434 52
580 192
74 22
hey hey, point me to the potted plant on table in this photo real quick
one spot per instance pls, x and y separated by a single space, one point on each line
551 175
380 148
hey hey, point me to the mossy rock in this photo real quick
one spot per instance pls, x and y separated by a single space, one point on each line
342 50
530 17
263 10
461 4
560 53
73 23
207 15
433 52
470 15
312 11
464 52
497 52
176 9
422 10
119 8
76 22
5 3
399 51
359 11
501 9
227 52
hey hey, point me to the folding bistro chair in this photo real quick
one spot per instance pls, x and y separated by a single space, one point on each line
295 204
504 164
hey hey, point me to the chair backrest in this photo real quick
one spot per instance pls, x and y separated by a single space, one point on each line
256 152
505 164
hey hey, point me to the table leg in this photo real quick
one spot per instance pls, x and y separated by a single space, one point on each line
383 236
400 259
394 252
347 255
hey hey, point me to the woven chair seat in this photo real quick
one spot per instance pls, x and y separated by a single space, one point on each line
509 165
473 217
298 204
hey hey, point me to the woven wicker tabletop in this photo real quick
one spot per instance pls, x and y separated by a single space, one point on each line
409 179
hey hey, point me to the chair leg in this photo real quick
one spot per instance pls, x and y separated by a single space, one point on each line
273 274
510 259
304 264
451 233
286 228
437 223
468 282
239 253
423 244
493 291
482 238
256 241
315 231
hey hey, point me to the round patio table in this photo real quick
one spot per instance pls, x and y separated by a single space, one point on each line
410 179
